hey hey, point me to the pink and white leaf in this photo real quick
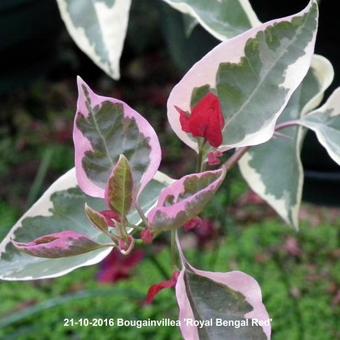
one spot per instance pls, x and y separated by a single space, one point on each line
57 245
228 296
104 128
184 199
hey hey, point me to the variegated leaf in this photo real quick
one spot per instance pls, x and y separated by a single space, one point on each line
281 155
325 122
184 199
223 19
105 128
233 297
99 28
61 208
255 74
57 245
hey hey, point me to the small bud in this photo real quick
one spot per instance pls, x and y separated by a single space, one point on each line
147 236
214 157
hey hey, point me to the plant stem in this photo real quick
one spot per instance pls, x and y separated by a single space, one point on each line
159 266
241 151
200 156
40 177
142 215
235 157
288 124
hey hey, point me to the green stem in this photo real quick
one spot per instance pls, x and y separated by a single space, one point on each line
40 177
142 215
200 156
159 266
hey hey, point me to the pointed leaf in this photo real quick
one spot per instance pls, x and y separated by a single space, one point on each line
213 298
221 297
184 199
325 122
60 208
255 74
98 27
223 19
282 155
63 244
96 218
119 191
104 128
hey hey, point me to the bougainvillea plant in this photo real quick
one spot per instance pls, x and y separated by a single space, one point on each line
254 95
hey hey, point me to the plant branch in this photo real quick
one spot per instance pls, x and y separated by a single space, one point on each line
231 162
290 123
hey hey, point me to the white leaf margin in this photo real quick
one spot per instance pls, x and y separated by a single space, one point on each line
42 208
204 72
324 72
330 109
187 9
112 22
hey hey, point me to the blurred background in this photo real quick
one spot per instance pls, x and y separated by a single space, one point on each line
299 272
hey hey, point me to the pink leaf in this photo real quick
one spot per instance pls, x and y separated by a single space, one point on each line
62 244
104 128
235 281
184 199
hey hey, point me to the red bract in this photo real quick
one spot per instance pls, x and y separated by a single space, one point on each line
110 217
206 120
204 230
155 289
214 158
119 267
147 236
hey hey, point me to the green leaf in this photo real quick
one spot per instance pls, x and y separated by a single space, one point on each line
61 208
223 19
254 92
96 218
274 170
325 122
98 27
119 192
199 93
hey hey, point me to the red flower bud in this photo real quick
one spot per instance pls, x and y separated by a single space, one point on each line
206 120
214 158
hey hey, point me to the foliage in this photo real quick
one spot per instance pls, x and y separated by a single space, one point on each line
239 97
